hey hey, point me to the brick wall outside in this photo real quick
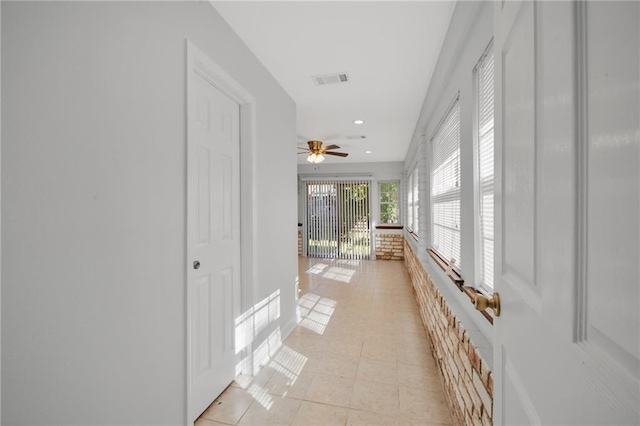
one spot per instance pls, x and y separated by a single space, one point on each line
299 242
467 379
389 247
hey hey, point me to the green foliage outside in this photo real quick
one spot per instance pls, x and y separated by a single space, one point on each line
389 202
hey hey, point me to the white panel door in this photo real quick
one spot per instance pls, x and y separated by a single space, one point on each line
213 251
567 343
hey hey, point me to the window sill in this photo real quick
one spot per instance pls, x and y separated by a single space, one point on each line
472 293
480 331
389 226
456 278
452 274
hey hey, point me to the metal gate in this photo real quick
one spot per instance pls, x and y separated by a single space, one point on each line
338 219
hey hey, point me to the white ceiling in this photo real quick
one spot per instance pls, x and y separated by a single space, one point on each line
388 48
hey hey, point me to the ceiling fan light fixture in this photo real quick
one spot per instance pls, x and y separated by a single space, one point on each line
315 158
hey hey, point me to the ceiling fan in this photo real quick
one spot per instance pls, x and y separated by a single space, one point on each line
317 150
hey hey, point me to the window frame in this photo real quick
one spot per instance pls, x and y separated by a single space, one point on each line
416 200
413 200
469 196
481 186
398 221
451 194
409 200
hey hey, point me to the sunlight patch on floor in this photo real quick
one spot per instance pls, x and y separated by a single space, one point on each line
339 274
348 262
325 301
289 363
314 312
308 301
261 396
267 349
317 269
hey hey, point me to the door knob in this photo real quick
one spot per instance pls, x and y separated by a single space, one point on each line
483 303
196 265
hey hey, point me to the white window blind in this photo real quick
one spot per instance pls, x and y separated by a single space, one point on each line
338 218
410 201
416 200
412 204
485 72
445 186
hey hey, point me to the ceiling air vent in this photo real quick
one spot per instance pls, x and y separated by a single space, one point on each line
356 137
323 79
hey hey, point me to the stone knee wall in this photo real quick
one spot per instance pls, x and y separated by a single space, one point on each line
389 247
467 379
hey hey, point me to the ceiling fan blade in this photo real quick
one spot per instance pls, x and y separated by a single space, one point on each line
339 154
305 153
303 147
326 148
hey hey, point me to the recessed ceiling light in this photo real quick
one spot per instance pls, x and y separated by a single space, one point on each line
358 121
368 152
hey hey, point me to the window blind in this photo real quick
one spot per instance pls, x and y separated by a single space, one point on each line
338 218
415 189
445 185
410 201
485 73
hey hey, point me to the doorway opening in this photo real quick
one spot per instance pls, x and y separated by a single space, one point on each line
338 219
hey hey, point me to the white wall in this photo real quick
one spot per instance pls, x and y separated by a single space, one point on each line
0 219
469 34
93 205
391 170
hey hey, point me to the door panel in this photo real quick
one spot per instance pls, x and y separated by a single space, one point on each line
213 240
202 325
519 409
203 206
611 192
226 207
566 345
519 153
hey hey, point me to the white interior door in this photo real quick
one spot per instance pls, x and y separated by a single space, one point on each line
567 348
213 250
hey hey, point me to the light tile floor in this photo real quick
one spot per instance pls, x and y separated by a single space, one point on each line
359 356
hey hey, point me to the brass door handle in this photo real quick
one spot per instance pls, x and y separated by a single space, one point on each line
483 303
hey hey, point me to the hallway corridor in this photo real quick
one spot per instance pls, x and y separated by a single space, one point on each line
359 356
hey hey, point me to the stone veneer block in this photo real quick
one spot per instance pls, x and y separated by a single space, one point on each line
389 247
